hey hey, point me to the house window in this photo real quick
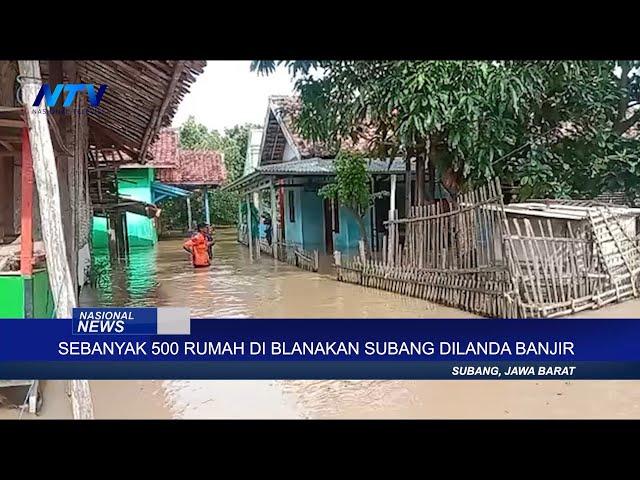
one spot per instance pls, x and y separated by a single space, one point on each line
292 210
335 207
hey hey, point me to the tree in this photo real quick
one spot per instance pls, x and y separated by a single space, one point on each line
351 187
234 146
529 122
224 204
196 136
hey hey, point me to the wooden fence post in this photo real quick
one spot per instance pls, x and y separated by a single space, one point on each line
249 236
363 254
337 259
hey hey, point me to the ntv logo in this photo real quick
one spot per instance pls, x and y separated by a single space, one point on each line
71 89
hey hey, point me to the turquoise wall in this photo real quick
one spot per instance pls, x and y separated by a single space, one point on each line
293 230
312 221
349 234
308 227
136 183
99 235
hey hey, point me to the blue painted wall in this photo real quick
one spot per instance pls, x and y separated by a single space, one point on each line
349 234
312 221
308 227
293 230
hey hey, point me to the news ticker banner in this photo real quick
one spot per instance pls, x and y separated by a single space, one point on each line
166 343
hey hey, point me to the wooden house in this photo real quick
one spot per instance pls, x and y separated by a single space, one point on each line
45 254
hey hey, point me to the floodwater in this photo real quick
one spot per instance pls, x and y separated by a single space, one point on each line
236 287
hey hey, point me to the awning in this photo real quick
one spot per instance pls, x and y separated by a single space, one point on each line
161 190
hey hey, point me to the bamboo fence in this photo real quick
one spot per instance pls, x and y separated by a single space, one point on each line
295 255
468 255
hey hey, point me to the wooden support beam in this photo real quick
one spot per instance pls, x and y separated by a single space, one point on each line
26 208
274 223
156 119
249 236
44 165
393 193
7 145
46 175
407 186
239 220
114 137
6 122
259 207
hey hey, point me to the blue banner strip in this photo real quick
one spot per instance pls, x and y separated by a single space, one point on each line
327 348
317 370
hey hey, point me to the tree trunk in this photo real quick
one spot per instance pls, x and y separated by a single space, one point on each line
407 185
434 160
420 180
431 180
362 230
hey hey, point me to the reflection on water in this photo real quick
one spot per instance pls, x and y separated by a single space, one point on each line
131 281
236 287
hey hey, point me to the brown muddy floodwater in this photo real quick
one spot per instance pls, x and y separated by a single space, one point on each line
235 287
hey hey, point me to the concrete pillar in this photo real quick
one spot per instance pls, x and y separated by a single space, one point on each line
249 236
189 215
207 214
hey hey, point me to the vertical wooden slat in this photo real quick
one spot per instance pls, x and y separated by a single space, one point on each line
26 207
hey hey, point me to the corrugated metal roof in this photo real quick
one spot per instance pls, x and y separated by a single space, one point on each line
325 166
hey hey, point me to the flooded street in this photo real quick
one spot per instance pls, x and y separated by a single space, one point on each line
234 287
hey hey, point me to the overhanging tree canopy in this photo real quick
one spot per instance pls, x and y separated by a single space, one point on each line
555 128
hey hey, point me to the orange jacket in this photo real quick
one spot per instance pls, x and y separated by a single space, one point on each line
197 245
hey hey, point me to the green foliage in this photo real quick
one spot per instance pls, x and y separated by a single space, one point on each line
196 136
552 127
233 144
352 187
351 184
223 208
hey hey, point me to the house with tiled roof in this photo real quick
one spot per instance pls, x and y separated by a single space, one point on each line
294 169
170 172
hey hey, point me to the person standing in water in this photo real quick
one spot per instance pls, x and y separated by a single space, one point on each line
197 246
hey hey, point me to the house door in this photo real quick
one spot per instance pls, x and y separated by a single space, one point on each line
328 226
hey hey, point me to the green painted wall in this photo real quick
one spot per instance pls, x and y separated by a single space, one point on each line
43 304
12 304
11 296
99 235
134 183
